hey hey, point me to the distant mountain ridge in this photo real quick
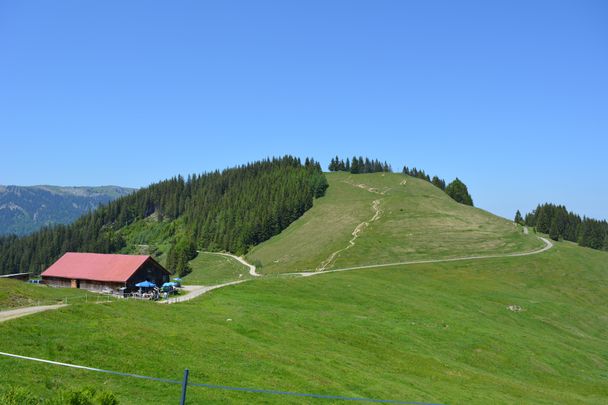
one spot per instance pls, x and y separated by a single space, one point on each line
25 209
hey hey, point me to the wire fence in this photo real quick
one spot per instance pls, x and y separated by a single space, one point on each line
186 383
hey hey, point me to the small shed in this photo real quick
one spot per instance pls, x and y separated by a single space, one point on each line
102 272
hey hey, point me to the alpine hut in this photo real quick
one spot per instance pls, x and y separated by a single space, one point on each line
103 272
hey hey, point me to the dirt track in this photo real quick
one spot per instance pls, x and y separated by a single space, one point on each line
243 262
19 312
548 245
251 267
196 290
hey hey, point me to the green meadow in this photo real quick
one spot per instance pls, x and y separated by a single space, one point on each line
525 330
15 294
435 333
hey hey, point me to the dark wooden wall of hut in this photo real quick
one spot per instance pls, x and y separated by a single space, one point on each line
149 271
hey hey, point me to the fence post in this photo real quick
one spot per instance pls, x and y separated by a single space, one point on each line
184 386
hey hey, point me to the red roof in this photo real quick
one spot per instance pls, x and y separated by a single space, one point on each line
95 266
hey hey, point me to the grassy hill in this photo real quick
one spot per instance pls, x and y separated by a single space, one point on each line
526 330
408 219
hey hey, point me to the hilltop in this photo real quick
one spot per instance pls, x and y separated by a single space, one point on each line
384 218
25 209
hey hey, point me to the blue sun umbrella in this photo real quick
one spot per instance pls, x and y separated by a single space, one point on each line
145 284
170 284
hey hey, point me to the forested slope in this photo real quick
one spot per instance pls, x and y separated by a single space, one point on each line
230 210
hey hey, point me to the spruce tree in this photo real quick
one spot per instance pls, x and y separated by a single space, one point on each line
459 192
554 230
171 260
366 164
518 218
333 165
544 217
572 225
592 233
354 166
529 221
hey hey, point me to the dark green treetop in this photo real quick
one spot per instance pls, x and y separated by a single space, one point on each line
518 218
553 229
459 192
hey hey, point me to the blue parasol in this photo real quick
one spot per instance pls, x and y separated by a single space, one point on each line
145 284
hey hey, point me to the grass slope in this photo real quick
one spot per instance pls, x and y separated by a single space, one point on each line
212 269
434 332
15 294
416 221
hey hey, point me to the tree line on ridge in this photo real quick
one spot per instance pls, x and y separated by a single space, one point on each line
456 189
359 165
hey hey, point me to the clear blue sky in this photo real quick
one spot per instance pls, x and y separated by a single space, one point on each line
510 96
